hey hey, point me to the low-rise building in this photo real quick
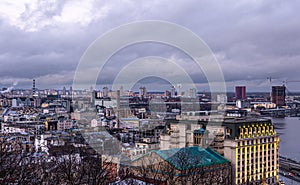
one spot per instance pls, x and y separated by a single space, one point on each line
184 133
190 165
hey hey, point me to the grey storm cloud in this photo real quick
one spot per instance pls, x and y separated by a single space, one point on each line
251 39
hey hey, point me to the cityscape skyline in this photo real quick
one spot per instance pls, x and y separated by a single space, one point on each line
149 92
153 88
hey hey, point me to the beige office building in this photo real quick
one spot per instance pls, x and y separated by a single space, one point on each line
252 147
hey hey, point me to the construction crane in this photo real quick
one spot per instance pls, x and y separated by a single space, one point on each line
285 82
270 80
289 81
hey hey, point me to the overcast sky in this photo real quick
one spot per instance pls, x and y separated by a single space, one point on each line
44 39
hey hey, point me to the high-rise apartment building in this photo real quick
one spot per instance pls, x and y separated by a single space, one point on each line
143 92
33 87
105 92
278 95
71 91
172 91
240 92
64 91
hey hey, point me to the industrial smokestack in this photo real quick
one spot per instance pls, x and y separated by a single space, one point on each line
33 86
118 108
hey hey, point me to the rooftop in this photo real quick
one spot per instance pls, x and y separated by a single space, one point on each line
245 120
191 157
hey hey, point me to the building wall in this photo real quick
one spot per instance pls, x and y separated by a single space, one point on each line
63 125
254 154
180 135
240 92
278 95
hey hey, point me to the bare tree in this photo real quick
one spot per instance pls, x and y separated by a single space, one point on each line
77 166
183 167
67 165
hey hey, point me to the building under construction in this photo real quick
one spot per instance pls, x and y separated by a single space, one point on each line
278 95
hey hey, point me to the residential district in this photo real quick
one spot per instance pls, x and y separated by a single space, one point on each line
122 137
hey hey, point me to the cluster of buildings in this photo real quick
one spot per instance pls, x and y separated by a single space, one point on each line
158 138
241 140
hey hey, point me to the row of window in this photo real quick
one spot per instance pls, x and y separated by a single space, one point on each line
257 152
256 160
257 168
257 175
257 141
270 162
271 180
257 130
